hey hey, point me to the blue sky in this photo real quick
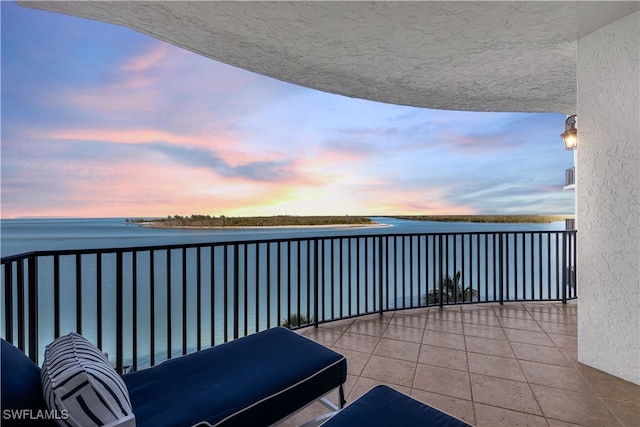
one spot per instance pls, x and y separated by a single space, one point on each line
101 121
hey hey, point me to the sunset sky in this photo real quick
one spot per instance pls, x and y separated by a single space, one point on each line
101 121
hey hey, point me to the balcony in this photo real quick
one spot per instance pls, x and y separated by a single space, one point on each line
481 325
570 178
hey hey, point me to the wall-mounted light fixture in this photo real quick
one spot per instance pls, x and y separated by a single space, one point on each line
570 134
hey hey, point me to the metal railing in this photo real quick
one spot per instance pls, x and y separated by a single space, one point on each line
146 304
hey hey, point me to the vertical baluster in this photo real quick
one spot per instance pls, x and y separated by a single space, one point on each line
79 294
268 287
152 309
32 265
184 301
56 296
99 298
257 287
236 290
168 275
119 313
134 305
198 298
316 285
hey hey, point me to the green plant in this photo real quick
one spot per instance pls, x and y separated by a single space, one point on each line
452 290
296 320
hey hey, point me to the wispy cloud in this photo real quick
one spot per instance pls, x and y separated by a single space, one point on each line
98 120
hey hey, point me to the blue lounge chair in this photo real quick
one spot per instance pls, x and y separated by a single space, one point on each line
256 380
383 406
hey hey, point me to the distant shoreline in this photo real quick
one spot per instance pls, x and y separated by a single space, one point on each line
277 222
521 219
244 227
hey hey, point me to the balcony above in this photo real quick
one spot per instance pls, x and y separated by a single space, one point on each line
477 56
570 178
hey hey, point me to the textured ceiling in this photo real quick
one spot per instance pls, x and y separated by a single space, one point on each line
479 56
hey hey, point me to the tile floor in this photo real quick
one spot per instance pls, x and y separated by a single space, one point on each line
490 365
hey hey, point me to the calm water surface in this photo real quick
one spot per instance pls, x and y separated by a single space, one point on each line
26 235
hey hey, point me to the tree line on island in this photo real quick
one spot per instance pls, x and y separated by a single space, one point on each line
177 221
256 221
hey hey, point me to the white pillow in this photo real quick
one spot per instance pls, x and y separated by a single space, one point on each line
77 378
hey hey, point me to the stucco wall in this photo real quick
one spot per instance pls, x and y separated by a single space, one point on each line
608 199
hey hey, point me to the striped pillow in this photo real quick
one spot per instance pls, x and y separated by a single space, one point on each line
77 378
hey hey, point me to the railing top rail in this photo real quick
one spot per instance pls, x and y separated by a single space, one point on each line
124 249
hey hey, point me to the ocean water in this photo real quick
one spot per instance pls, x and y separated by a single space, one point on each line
27 235
341 291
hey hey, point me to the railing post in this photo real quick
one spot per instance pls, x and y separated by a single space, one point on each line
380 297
119 313
441 269
33 308
500 269
236 291
8 301
20 302
564 267
316 279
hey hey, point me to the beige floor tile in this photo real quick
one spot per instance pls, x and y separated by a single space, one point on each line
558 423
459 408
420 312
452 314
628 413
536 353
409 321
443 339
357 342
442 381
325 337
363 385
403 334
388 370
570 353
528 337
508 394
480 318
512 311
577 408
338 325
608 386
527 325
484 331
445 357
543 316
565 341
562 377
489 346
435 324
312 411
495 366
559 328
542 308
397 349
368 327
491 416
356 360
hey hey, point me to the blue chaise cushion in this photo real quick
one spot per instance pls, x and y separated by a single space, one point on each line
383 406
21 388
255 380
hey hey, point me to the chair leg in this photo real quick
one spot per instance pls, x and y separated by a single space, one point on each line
341 393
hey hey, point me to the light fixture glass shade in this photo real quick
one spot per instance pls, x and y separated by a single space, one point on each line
570 139
570 134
